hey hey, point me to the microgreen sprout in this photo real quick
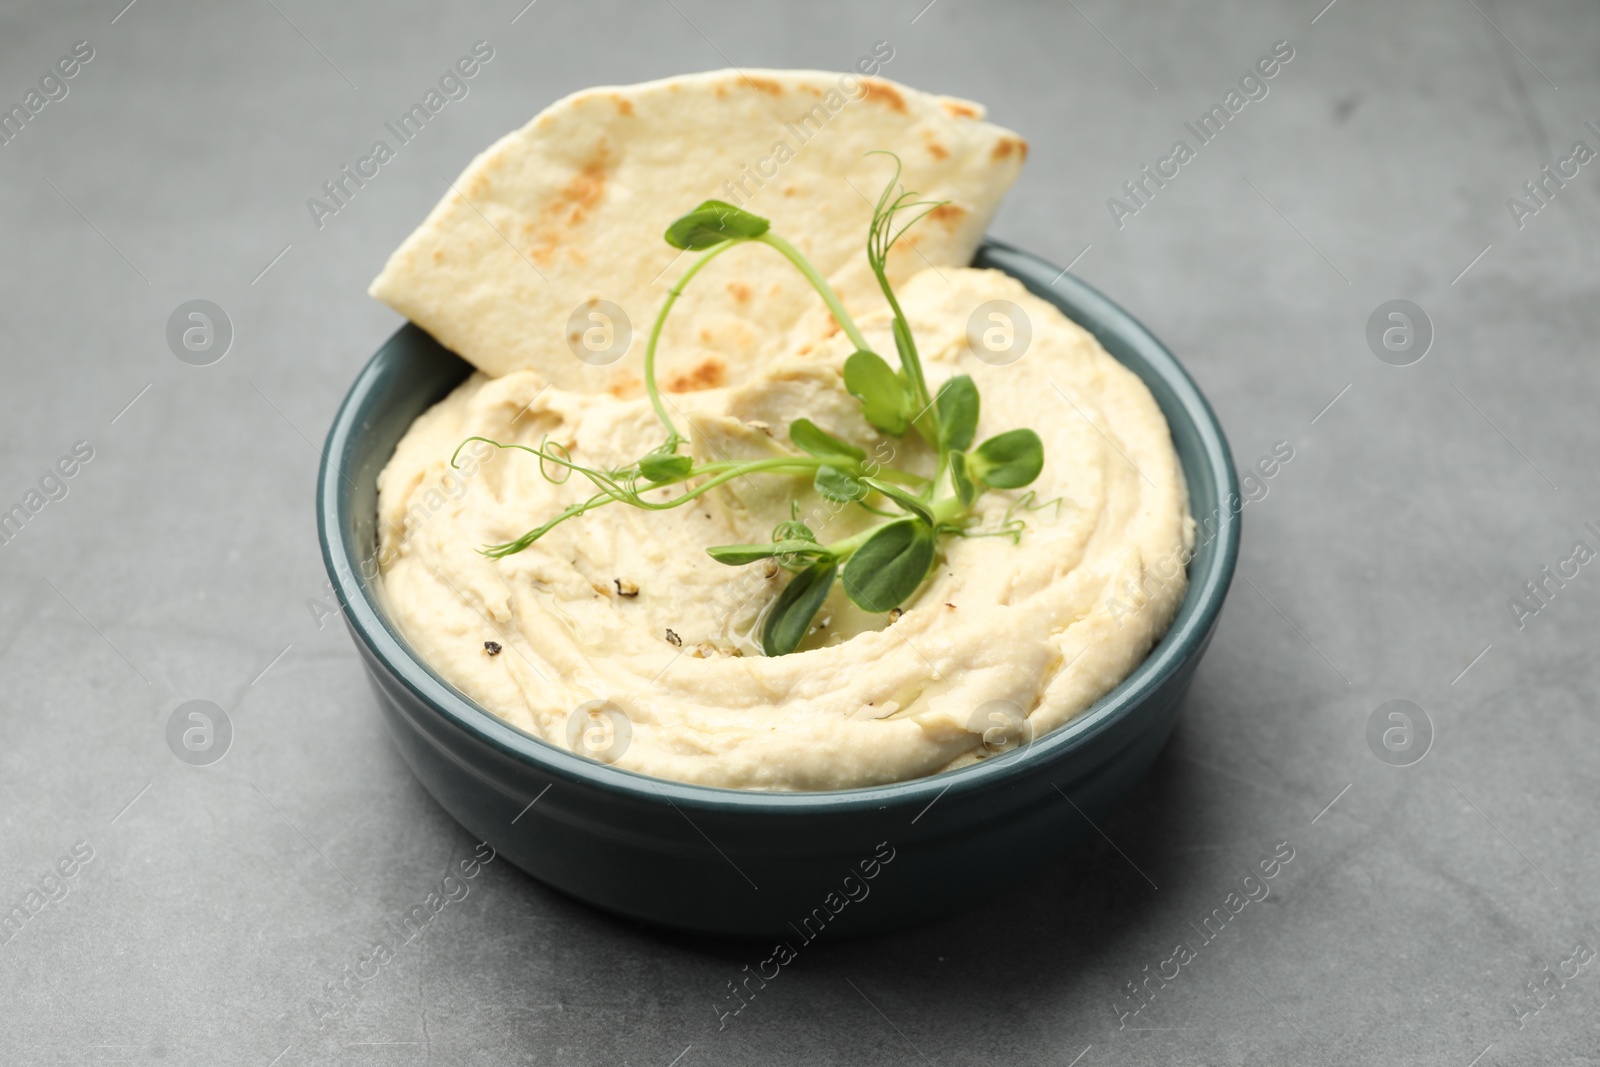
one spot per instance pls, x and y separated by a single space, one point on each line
883 565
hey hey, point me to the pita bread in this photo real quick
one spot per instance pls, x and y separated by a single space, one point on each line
569 211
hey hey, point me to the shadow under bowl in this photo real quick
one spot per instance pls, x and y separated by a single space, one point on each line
774 865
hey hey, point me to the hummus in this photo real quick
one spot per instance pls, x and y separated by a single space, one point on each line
617 636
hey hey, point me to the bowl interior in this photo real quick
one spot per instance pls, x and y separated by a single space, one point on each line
412 371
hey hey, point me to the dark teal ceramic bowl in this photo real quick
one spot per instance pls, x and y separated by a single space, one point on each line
790 866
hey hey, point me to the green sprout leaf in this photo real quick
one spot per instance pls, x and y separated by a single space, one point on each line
1008 460
794 529
834 484
659 467
712 223
961 479
882 392
957 404
739 555
908 500
808 437
889 565
795 607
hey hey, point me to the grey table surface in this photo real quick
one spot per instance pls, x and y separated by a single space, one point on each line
1434 913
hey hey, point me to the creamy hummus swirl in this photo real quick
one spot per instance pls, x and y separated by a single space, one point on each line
622 608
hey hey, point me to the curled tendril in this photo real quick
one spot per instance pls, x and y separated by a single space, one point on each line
564 458
622 486
1027 503
1010 524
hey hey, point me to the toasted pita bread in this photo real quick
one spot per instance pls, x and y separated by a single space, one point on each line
568 212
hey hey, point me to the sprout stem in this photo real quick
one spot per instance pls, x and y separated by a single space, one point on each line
820 284
655 337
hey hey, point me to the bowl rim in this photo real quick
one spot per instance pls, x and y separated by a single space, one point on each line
1192 624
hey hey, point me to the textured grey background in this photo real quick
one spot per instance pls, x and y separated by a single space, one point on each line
183 563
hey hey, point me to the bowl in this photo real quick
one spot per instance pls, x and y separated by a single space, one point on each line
786 866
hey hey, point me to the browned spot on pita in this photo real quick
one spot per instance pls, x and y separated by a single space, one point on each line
833 326
789 190
740 291
624 105
766 85
812 89
722 90
949 214
958 109
1006 145
566 210
709 373
624 386
884 93
584 190
804 350
937 150
438 255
